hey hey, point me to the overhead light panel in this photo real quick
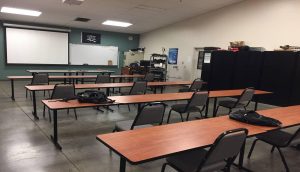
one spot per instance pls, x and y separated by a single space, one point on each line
20 11
116 23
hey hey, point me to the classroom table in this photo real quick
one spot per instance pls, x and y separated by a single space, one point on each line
113 77
82 71
148 144
34 88
138 99
55 105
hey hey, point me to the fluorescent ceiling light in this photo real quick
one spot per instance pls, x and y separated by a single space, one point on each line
20 11
116 23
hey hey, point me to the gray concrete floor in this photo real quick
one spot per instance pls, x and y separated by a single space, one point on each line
25 144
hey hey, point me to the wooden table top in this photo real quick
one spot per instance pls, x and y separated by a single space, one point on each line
70 71
131 99
146 144
76 77
56 104
107 85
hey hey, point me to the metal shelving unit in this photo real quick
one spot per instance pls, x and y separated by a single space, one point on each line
158 66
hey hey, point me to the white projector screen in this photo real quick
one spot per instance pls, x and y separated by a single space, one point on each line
26 46
81 54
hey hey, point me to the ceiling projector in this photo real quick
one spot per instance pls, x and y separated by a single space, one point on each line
73 2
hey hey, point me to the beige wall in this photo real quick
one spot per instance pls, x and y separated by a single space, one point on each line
265 23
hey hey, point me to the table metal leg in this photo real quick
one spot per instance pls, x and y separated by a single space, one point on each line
107 91
34 105
113 89
65 80
215 105
241 159
82 80
120 80
161 89
122 164
54 136
206 108
12 90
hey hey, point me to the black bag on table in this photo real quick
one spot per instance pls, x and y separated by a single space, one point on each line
252 117
93 96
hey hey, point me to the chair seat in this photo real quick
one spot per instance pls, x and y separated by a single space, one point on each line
277 138
126 125
180 108
190 161
230 104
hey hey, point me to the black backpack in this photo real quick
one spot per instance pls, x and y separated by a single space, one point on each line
252 117
93 96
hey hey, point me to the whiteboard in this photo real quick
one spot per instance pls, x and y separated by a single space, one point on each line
81 54
26 46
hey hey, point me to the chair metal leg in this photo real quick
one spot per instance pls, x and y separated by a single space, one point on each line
283 159
68 111
75 114
181 117
187 117
252 147
163 168
272 150
216 111
129 107
229 111
169 116
98 109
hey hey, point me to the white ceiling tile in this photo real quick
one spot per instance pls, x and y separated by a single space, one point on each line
146 15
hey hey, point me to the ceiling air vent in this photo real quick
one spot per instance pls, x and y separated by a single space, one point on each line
73 2
80 19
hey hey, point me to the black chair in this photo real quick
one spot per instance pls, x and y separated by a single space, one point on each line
39 79
152 113
102 79
197 99
149 77
278 139
220 156
61 91
195 86
242 102
138 88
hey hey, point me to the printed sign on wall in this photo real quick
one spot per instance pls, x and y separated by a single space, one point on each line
173 54
90 38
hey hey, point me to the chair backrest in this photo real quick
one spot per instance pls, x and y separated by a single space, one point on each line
246 96
152 113
196 85
226 147
40 79
139 87
198 99
295 139
102 79
149 77
61 91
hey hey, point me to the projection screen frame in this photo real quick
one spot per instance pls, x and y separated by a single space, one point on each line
46 29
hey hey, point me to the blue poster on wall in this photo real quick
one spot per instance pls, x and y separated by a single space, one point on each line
173 54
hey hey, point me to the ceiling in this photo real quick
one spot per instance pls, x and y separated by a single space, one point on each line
145 15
